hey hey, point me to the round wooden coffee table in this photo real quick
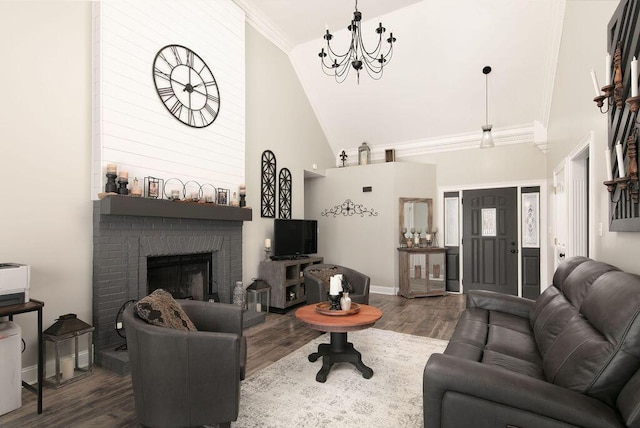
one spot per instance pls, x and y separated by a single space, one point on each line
339 350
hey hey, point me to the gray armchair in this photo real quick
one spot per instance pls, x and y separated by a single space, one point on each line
316 280
187 378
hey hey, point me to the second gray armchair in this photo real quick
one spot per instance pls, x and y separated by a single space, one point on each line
316 280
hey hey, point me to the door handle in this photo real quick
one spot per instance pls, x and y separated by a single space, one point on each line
561 255
514 251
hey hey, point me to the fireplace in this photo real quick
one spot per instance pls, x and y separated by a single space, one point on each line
131 234
185 276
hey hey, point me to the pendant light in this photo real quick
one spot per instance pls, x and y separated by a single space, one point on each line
487 139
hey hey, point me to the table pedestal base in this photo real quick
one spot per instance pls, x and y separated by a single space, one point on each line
338 351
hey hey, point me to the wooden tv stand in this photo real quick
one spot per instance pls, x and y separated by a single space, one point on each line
286 281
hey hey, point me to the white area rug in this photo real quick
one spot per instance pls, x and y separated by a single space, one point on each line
286 393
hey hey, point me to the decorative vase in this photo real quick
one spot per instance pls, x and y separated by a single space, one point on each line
240 295
345 302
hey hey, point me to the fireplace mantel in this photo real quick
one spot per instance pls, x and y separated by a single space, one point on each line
146 207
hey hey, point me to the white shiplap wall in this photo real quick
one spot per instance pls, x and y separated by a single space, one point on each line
132 128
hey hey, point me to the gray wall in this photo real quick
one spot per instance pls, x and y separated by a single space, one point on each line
279 118
574 115
45 118
367 243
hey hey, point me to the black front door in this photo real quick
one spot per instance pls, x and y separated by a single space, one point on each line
490 240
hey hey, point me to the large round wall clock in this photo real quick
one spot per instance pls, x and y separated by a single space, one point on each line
186 86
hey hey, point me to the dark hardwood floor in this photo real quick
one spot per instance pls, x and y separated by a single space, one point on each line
106 400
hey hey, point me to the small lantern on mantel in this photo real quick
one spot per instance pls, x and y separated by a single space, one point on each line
258 294
364 154
64 336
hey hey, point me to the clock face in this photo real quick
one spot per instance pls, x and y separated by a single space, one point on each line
186 86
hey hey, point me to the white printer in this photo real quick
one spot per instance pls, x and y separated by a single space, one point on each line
14 283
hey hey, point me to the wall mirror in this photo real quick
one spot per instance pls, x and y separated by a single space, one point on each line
415 214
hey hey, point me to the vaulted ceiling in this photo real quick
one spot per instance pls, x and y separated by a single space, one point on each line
432 95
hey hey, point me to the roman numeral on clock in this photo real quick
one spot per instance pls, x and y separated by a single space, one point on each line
164 58
166 93
190 58
176 54
161 74
176 108
211 110
212 98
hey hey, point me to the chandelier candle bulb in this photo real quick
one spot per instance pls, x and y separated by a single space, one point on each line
607 69
594 79
634 77
621 172
607 159
267 243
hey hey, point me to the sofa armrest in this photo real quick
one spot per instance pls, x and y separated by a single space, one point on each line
499 387
499 302
210 316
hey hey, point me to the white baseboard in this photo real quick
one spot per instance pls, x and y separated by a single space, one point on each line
30 374
378 289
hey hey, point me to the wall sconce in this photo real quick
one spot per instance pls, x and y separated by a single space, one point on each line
626 180
612 92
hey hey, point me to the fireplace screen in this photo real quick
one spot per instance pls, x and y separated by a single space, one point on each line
185 276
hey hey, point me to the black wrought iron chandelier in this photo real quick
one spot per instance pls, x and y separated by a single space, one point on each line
357 57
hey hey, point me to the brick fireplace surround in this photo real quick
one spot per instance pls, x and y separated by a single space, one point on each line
128 230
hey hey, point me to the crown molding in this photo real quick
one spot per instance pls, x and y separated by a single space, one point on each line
259 21
535 134
551 59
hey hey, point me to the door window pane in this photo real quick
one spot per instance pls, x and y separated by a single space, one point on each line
451 222
488 222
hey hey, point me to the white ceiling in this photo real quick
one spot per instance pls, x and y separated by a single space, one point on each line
432 95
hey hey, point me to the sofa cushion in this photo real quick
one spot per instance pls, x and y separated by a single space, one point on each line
497 339
587 330
159 308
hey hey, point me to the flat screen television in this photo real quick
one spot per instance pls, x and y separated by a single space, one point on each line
294 238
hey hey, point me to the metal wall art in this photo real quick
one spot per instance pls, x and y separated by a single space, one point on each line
284 193
348 208
268 185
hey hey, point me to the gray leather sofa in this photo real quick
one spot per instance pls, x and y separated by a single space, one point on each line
187 378
316 280
569 358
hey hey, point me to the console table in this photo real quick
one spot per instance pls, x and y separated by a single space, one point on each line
31 306
423 272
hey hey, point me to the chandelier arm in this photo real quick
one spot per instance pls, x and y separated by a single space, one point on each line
332 60
337 55
374 53
377 68
375 75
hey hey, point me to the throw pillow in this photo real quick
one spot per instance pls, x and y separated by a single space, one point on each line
159 308
324 274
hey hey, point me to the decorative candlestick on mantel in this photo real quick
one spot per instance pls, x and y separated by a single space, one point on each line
267 248
110 186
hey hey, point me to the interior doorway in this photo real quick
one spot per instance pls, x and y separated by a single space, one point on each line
572 206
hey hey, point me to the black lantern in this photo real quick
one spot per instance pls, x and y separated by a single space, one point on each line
258 296
60 334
